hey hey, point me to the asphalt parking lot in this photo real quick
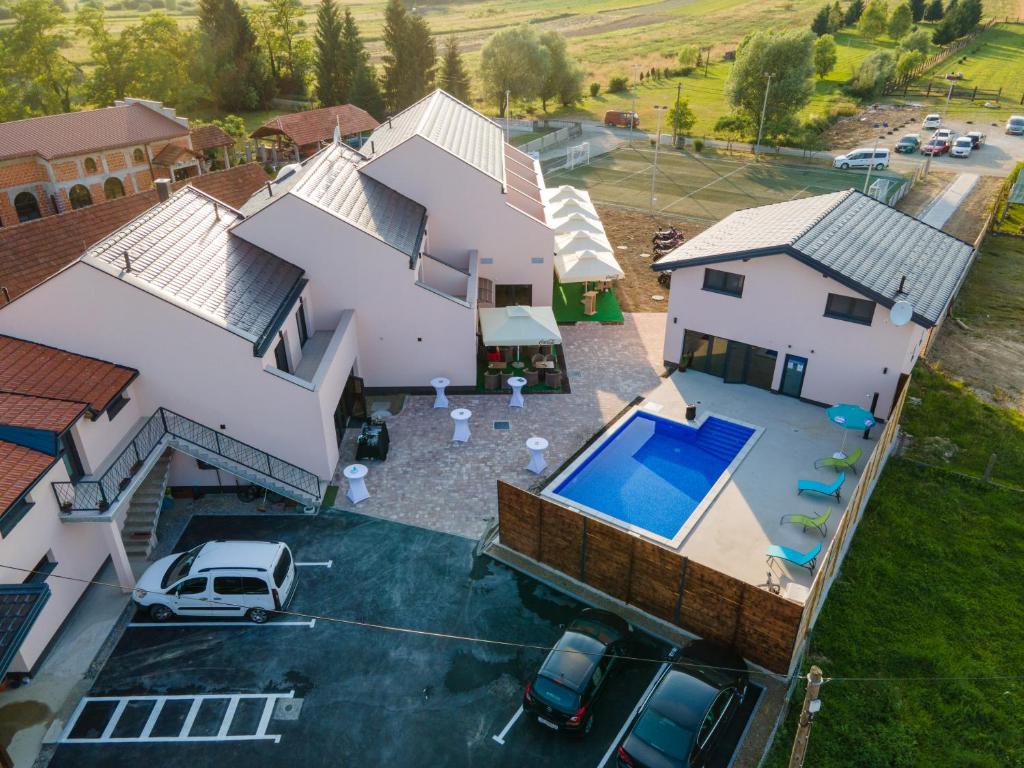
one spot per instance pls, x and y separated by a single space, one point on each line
303 690
996 157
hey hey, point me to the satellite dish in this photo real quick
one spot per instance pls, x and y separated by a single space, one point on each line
287 170
901 313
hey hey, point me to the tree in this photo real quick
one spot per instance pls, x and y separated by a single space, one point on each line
934 11
358 75
948 29
42 79
788 57
164 54
410 57
919 40
835 18
229 64
820 24
873 73
331 88
453 76
970 13
733 127
874 20
513 60
563 79
689 55
907 64
681 118
917 10
901 21
825 56
853 13
116 67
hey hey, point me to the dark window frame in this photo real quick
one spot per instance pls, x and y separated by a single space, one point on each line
281 355
848 313
300 321
718 281
28 209
117 405
90 166
14 515
79 196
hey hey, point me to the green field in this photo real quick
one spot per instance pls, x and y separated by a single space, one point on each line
707 187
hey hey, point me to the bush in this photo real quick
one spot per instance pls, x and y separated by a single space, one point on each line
843 109
156 4
698 145
685 71
618 85
595 88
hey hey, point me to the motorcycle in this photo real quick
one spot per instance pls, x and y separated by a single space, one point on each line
671 232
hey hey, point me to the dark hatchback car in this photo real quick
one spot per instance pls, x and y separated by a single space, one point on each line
683 721
562 694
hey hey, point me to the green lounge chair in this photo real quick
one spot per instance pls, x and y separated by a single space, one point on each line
820 522
840 465
803 559
813 486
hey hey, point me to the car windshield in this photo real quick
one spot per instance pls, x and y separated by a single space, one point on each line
663 734
1017 122
556 695
963 142
179 568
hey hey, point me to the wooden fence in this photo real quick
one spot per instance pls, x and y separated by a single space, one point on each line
903 84
762 626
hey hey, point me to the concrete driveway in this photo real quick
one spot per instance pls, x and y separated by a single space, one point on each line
996 157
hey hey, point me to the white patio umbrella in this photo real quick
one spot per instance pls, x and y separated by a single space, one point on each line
577 242
587 266
518 327
577 222
569 207
564 192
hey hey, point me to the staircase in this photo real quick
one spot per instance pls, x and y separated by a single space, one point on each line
139 531
722 439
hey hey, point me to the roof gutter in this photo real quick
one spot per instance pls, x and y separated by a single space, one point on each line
270 332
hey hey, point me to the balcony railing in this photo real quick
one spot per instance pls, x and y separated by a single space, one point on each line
163 427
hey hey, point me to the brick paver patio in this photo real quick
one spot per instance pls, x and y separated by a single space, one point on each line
431 482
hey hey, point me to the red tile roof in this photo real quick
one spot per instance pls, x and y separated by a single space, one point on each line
318 124
20 469
28 368
38 412
210 136
172 154
36 250
93 130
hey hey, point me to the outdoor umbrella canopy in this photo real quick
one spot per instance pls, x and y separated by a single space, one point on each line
518 326
577 242
849 416
569 207
564 192
586 266
577 222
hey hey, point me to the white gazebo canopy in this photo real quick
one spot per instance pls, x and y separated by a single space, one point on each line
577 222
577 242
564 192
518 326
569 207
587 266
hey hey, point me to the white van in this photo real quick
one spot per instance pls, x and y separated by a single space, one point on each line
932 121
220 578
863 158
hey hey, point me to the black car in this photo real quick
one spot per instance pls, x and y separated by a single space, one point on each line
562 694
682 722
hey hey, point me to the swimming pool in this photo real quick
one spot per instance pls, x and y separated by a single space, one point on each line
653 473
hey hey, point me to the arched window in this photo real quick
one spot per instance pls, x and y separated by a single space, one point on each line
113 188
27 206
90 165
138 155
79 196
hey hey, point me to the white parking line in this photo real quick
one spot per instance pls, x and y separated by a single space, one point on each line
500 738
323 564
643 700
237 624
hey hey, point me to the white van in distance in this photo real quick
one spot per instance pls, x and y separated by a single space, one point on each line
219 578
932 121
863 158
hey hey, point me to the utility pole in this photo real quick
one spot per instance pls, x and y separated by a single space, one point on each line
878 137
707 59
657 144
764 107
675 129
508 94
812 704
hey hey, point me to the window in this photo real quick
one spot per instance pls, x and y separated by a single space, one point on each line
79 196
72 459
300 320
723 282
512 295
14 514
850 309
252 586
239 585
138 155
284 565
485 290
281 356
113 188
192 586
115 407
90 165
42 569
27 207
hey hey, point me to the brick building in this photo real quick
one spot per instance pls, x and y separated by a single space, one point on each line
61 162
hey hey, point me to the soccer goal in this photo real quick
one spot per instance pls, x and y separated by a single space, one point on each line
577 155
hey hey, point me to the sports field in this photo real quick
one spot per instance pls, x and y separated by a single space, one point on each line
705 187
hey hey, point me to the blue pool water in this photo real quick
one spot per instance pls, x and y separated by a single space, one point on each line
653 472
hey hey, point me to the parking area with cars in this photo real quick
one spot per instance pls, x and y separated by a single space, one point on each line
333 680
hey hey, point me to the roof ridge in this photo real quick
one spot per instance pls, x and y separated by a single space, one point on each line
845 195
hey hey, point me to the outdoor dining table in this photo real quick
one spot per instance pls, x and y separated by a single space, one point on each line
355 474
461 418
440 401
537 446
545 364
517 383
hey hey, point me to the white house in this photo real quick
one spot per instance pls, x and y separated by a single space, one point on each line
829 298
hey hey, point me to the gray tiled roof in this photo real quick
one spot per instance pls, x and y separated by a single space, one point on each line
182 250
333 181
864 243
455 127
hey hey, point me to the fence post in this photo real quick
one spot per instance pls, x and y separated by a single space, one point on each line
975 93
929 89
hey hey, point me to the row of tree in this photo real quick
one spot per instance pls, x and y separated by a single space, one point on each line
874 19
519 64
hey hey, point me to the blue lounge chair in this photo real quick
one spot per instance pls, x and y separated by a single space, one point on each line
803 559
813 486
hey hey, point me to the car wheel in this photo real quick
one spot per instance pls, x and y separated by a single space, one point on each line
845 166
879 167
160 612
258 615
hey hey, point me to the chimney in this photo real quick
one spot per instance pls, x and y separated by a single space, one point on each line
389 122
270 190
127 261
903 284
371 148
6 294
163 189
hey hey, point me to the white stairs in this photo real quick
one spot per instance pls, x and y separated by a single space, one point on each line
139 531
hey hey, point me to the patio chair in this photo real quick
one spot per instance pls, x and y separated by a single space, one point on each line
839 465
491 380
813 486
820 522
553 379
531 377
806 560
538 358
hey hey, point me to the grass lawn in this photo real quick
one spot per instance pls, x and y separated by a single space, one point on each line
1010 220
567 304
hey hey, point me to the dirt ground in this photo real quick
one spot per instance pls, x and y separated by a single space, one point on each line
630 234
924 192
969 219
858 130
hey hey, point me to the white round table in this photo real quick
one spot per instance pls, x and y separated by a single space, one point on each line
355 474
517 383
461 418
537 446
440 401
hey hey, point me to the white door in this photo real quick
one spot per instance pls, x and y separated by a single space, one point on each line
191 596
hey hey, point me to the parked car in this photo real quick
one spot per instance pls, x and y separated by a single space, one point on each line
561 696
909 143
621 119
932 121
220 578
935 147
683 721
1015 125
863 158
977 138
944 133
961 147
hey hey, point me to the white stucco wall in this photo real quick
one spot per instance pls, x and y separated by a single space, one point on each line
782 308
95 439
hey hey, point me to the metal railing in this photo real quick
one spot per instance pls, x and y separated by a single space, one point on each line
100 494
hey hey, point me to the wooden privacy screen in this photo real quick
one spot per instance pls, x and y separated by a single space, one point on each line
761 626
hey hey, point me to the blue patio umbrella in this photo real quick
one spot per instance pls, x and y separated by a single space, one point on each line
849 416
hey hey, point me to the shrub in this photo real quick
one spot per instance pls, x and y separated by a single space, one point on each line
843 109
618 85
698 145
595 88
685 71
